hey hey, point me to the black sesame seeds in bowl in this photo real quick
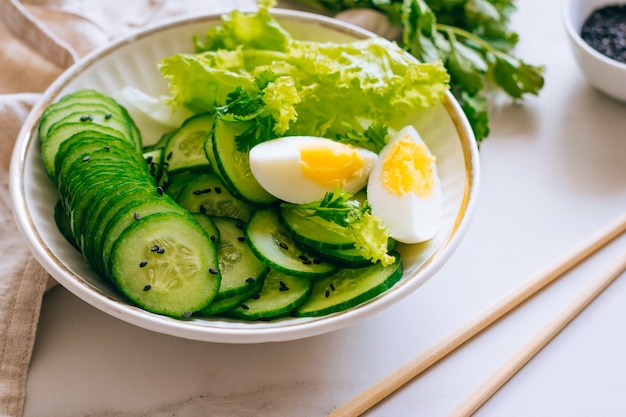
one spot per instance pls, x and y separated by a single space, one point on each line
597 33
605 31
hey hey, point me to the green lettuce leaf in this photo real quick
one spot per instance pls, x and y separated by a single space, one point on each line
339 86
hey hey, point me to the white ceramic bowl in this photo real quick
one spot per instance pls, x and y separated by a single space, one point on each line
132 61
603 73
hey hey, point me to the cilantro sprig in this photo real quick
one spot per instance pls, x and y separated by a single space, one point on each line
374 138
473 40
250 107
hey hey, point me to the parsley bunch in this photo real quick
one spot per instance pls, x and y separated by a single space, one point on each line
471 37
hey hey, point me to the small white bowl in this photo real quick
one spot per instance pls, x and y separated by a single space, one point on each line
603 73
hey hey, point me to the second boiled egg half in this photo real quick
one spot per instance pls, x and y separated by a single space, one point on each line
404 189
302 169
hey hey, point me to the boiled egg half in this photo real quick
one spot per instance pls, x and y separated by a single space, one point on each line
302 169
404 189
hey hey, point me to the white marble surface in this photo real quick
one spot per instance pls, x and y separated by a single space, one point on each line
553 173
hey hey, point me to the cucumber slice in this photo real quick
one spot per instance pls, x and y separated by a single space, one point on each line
63 224
185 146
53 153
273 244
80 146
128 209
239 266
349 287
313 231
206 193
224 304
90 106
182 279
178 181
281 293
347 257
156 165
233 166
209 226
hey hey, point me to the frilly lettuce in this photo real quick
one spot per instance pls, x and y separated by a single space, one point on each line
340 86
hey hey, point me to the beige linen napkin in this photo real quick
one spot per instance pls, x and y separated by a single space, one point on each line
39 39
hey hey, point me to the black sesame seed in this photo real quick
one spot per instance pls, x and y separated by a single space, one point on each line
169 156
303 257
86 158
213 238
106 148
154 248
327 293
136 216
204 191
86 118
107 116
147 287
282 245
332 287
143 263
202 209
240 225
187 314
241 238
160 251
283 286
250 280
149 159
218 190
245 306
213 271
306 262
255 296
160 190
317 261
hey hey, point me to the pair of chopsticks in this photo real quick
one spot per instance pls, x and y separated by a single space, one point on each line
382 389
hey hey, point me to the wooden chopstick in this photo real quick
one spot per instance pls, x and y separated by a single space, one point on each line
388 385
494 382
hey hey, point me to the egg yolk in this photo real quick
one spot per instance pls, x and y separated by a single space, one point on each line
408 168
331 165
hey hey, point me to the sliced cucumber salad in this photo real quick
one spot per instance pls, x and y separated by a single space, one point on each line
184 228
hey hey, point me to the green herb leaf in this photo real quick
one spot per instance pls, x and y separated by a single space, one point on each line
373 138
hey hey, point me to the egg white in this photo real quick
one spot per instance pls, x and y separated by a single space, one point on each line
277 167
409 218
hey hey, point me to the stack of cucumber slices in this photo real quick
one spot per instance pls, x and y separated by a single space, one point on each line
180 230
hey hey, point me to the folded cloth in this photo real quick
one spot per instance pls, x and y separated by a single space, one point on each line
39 39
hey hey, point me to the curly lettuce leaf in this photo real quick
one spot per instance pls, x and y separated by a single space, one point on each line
474 40
321 88
249 31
